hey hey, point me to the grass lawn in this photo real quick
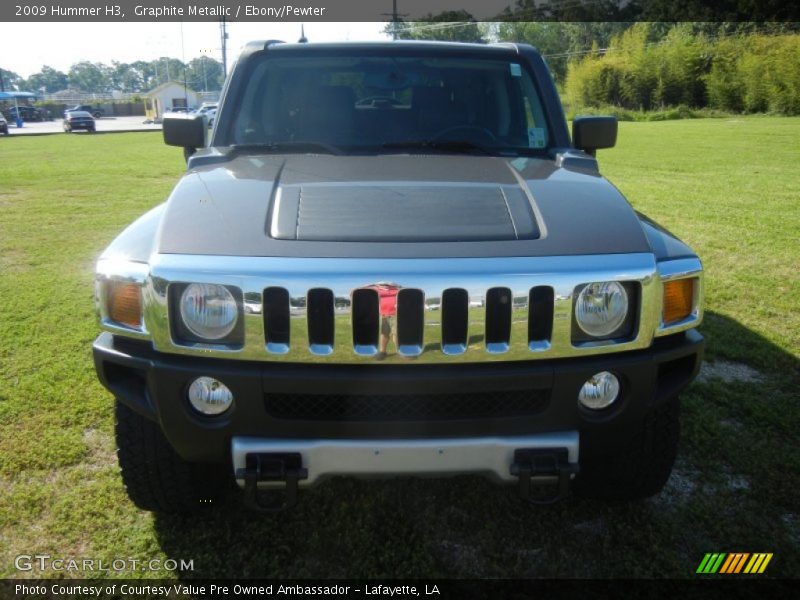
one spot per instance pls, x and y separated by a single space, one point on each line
728 187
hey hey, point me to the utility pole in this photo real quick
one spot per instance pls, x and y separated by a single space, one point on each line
2 82
223 34
206 53
395 19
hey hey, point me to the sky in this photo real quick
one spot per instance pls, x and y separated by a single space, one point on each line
26 47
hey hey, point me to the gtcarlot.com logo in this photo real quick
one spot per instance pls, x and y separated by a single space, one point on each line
46 562
734 563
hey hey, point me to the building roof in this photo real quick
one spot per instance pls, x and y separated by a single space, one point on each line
165 85
11 95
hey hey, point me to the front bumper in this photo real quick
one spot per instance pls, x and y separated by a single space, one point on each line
489 456
154 384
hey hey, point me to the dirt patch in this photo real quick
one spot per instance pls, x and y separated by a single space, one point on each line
737 482
729 372
790 522
680 487
14 261
463 558
592 527
102 452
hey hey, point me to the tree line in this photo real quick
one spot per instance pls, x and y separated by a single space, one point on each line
738 72
730 66
201 74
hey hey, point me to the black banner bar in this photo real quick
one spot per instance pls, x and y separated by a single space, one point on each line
372 589
382 10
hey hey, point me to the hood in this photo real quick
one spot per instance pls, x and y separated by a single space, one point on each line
395 206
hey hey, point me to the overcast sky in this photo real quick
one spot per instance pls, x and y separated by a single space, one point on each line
25 47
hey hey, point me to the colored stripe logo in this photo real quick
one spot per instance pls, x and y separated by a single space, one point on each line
734 563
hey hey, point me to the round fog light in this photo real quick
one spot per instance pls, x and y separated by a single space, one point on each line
210 396
599 391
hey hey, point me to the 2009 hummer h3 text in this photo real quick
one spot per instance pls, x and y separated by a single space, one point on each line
391 259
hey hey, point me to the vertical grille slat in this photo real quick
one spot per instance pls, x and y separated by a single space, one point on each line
366 321
320 321
540 317
410 322
498 319
455 320
276 320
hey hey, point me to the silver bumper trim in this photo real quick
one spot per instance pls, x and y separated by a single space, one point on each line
489 456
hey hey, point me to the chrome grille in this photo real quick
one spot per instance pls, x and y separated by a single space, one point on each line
448 310
416 323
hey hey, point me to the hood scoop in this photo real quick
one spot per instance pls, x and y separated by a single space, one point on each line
440 212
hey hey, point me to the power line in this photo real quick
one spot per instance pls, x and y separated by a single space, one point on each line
395 19
662 42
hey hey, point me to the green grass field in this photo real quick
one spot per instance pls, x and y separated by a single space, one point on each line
729 187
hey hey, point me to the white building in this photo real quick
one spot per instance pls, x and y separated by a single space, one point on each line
166 97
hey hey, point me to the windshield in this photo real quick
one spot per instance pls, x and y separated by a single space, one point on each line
368 103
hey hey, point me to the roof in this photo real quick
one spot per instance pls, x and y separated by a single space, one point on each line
497 48
12 95
165 85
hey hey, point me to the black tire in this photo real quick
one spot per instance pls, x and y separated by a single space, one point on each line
155 477
641 467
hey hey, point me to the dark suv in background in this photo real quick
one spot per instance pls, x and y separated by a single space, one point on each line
27 113
92 110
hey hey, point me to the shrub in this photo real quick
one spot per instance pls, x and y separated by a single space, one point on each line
754 73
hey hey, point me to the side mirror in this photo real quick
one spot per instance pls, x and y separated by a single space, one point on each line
187 131
591 133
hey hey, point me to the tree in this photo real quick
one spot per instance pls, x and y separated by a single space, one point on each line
449 26
10 80
125 77
168 69
48 78
146 73
559 42
204 73
90 77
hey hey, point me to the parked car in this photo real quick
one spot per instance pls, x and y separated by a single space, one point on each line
181 109
3 125
79 119
27 113
250 332
209 109
95 111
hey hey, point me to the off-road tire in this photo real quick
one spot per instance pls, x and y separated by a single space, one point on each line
155 477
643 465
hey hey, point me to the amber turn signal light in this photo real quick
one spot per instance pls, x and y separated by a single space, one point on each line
678 300
125 303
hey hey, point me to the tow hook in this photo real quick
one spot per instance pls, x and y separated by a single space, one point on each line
284 468
531 464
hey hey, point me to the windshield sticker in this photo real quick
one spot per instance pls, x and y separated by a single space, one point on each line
536 137
516 70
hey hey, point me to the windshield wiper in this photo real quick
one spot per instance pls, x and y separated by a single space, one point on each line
288 147
446 145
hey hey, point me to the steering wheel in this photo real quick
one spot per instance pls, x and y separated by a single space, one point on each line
481 130
375 101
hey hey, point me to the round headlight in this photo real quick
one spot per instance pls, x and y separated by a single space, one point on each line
209 311
601 308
